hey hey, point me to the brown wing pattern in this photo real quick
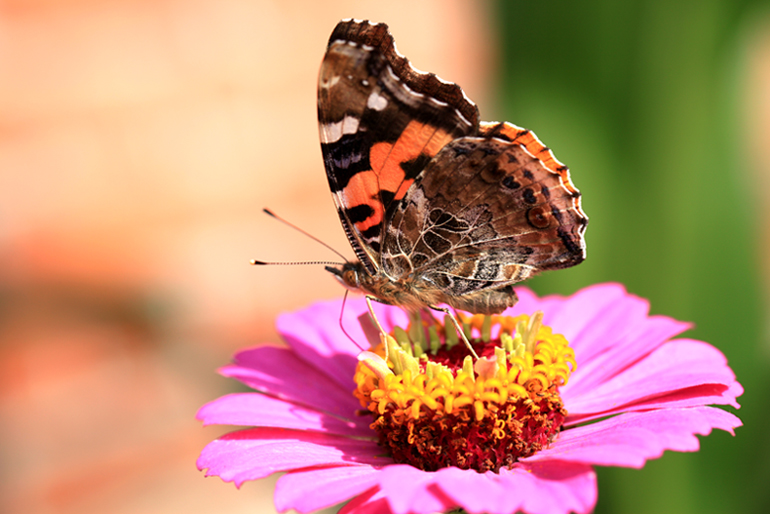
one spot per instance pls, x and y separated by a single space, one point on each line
380 123
486 213
527 138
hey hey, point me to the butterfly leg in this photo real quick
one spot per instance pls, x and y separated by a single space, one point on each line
376 321
459 329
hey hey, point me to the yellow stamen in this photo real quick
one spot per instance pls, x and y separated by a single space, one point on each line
417 385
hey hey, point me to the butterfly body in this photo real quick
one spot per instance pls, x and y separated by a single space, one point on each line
409 292
439 207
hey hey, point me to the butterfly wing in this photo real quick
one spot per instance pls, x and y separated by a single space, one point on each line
380 123
487 212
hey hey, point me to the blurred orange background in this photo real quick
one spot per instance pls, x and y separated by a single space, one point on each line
139 141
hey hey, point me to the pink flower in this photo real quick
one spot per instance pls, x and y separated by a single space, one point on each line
636 393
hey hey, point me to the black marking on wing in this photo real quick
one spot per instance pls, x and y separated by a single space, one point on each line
359 213
415 166
346 157
529 196
371 232
510 182
557 214
386 197
568 241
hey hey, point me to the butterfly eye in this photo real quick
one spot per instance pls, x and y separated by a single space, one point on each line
350 277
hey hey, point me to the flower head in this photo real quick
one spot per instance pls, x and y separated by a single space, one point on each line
437 408
595 381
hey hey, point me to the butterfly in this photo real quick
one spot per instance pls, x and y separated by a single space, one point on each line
439 207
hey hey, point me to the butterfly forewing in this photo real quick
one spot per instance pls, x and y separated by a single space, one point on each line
377 133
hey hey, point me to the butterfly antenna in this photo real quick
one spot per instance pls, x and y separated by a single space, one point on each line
295 227
255 262
342 326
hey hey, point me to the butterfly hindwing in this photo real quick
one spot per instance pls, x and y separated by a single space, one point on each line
485 214
377 131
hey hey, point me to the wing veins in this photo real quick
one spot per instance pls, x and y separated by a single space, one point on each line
476 244
470 243
384 222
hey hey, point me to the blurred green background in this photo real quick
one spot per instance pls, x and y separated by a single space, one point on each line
643 99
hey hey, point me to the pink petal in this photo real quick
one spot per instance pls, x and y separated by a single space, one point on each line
317 338
477 492
619 343
529 302
680 373
259 452
595 318
409 489
538 488
371 502
315 335
256 409
633 438
318 488
553 487
689 397
541 488
574 316
608 328
279 372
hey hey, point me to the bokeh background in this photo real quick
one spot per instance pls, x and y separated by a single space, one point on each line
139 141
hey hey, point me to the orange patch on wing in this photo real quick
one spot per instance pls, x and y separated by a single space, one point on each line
387 174
405 185
363 189
416 139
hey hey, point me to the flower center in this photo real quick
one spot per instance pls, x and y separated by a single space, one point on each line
434 407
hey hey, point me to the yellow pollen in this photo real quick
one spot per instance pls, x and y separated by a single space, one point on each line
528 353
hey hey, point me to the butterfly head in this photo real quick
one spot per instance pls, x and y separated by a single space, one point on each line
349 274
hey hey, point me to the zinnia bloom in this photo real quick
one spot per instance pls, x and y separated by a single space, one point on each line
629 393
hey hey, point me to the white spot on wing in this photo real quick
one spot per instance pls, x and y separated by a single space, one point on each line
330 83
333 132
376 102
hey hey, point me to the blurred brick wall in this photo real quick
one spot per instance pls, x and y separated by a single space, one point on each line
139 141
